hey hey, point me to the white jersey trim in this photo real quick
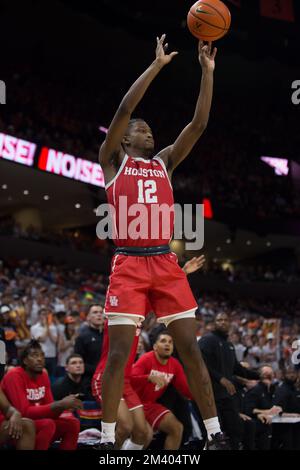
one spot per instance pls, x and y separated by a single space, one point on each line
139 159
177 316
165 169
135 407
119 172
159 416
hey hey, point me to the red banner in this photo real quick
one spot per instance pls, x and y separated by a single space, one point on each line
278 9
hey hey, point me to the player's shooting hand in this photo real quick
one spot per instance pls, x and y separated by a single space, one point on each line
162 58
194 264
207 56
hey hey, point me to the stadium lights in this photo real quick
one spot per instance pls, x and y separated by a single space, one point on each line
249 242
77 206
25 192
4 186
228 241
268 244
218 248
46 197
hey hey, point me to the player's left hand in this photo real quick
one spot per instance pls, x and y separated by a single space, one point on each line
194 264
207 55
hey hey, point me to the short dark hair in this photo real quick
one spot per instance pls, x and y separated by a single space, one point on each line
72 356
42 310
33 344
132 122
162 333
75 313
60 314
94 305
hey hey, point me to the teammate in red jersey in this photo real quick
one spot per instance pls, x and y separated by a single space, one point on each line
20 431
144 271
28 390
131 421
150 376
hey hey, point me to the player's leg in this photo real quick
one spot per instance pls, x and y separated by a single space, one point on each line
158 418
142 432
175 305
27 441
45 430
183 332
173 430
125 307
139 436
124 424
67 430
120 342
4 436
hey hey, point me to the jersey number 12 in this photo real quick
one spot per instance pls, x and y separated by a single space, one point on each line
147 190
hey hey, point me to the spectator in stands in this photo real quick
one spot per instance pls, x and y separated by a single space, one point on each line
45 332
288 398
13 428
220 358
89 342
59 321
77 320
75 382
28 389
66 343
258 403
150 376
270 351
10 333
2 352
238 346
286 394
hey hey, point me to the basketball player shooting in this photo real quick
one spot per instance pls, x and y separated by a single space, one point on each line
145 274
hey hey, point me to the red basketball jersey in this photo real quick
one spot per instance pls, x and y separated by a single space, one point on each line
142 197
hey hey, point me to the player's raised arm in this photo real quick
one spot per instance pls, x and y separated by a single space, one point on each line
121 119
184 143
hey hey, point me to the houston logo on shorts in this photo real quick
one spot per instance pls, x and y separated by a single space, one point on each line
113 300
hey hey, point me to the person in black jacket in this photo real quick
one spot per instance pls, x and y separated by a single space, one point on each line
219 355
2 353
89 342
258 404
287 436
75 382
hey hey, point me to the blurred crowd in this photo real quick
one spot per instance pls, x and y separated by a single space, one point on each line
26 288
74 239
226 162
62 309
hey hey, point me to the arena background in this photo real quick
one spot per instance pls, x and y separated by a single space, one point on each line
66 66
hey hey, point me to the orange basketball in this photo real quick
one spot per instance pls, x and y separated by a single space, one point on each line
209 20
